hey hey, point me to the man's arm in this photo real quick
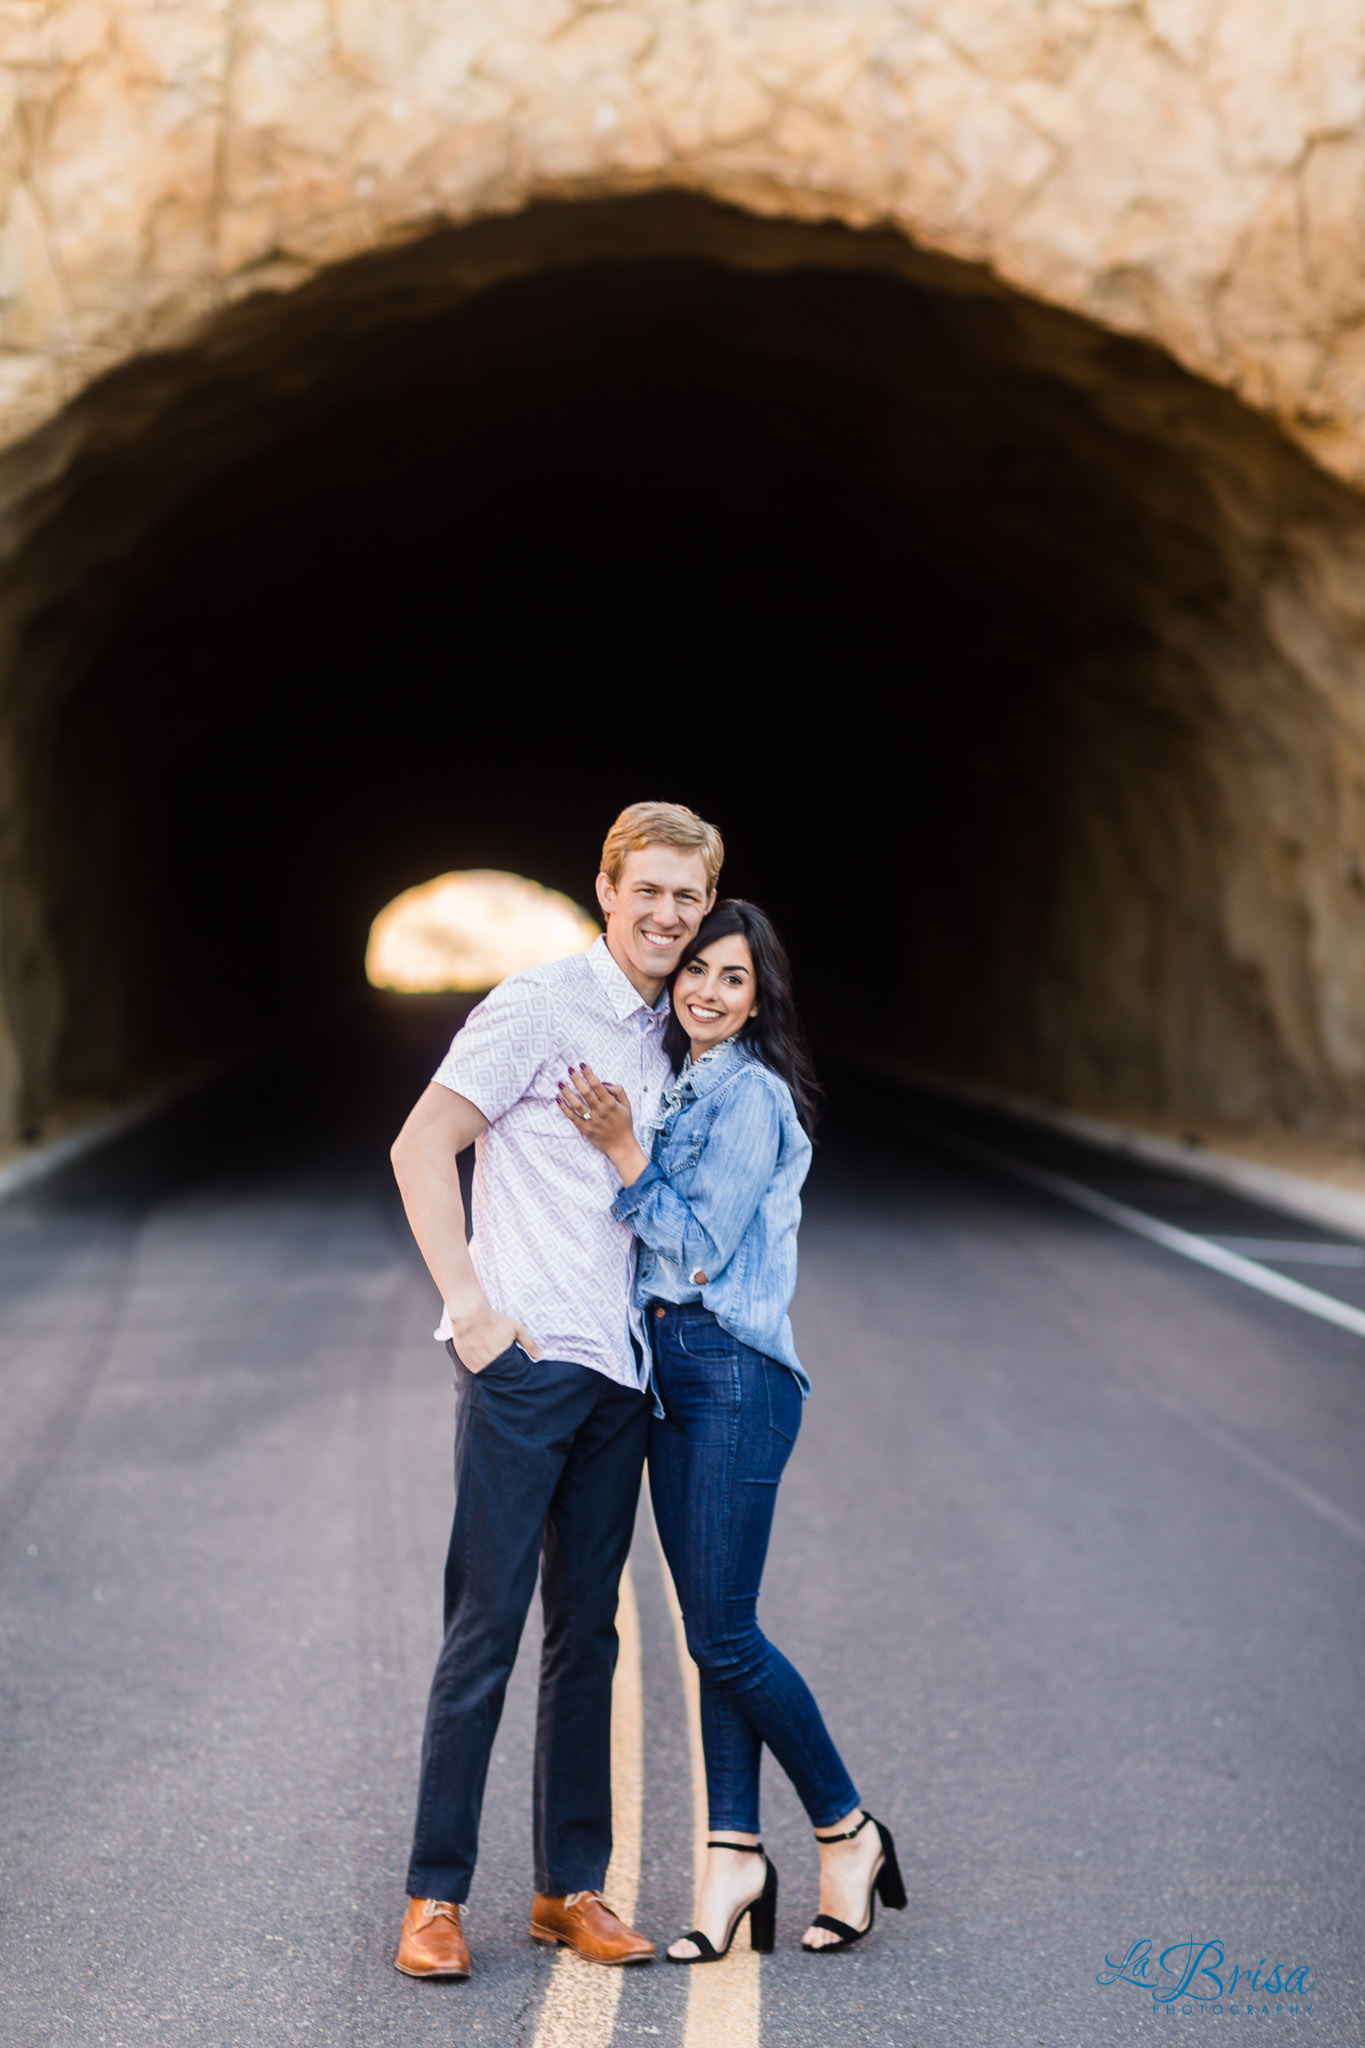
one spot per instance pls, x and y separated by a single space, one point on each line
425 1157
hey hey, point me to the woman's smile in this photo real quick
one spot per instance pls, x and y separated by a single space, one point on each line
714 993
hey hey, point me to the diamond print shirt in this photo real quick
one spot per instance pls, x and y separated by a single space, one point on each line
546 1246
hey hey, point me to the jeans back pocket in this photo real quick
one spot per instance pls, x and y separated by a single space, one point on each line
784 1399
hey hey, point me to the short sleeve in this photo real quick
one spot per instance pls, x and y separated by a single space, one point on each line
497 1051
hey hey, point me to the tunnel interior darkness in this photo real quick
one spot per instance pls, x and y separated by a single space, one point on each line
949 611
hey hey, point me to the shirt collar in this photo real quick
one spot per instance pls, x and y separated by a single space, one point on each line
619 989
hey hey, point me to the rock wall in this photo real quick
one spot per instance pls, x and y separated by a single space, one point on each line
1065 302
1190 171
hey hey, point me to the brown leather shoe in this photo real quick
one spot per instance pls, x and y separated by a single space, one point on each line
432 1943
584 1922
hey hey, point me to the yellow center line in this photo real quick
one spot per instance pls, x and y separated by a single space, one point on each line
722 1998
580 2004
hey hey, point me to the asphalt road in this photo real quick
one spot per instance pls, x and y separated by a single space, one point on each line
1054 1551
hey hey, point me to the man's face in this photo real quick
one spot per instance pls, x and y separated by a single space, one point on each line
653 910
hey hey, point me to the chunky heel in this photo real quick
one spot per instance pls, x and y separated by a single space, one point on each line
890 1883
887 1885
763 1915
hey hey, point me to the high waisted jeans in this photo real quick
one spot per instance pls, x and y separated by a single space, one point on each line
715 1458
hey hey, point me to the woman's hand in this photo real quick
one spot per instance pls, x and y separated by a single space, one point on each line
600 1111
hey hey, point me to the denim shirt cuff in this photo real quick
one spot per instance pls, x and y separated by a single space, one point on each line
629 1199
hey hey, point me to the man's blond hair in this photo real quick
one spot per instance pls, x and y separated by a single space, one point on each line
641 825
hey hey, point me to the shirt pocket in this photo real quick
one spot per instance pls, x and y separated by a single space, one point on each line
680 1162
689 1138
680 1149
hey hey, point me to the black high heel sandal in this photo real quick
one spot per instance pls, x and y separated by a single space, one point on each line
887 1884
762 1913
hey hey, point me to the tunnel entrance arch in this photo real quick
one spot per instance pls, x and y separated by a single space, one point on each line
1020 668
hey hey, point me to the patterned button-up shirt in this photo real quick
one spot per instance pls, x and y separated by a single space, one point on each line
546 1246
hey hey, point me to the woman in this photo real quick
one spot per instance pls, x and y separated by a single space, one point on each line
716 1214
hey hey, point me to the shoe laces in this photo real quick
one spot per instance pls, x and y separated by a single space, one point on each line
572 1899
440 1909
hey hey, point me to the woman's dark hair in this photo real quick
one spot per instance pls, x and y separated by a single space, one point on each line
775 1033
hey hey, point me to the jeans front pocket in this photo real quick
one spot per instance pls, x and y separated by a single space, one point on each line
697 1375
702 1338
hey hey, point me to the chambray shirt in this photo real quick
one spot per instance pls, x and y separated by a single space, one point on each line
722 1198
546 1246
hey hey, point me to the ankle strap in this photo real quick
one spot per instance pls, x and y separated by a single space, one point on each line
745 1849
850 1834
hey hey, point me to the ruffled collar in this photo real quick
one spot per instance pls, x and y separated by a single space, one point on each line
682 1081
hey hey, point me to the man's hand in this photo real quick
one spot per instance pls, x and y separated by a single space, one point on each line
600 1112
484 1334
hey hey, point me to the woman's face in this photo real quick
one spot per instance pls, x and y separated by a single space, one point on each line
715 995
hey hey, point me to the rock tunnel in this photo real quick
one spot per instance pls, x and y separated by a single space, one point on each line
1020 668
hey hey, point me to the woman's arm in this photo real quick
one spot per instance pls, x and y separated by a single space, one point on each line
701 1233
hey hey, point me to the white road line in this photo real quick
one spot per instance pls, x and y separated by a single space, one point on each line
1269 1468
1202 1250
1295 1251
722 1998
580 2004
1205 1253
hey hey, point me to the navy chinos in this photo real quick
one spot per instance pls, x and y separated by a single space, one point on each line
548 1459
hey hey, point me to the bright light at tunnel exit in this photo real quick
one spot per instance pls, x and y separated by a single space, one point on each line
466 931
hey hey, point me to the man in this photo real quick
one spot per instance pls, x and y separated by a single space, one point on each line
551 1365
